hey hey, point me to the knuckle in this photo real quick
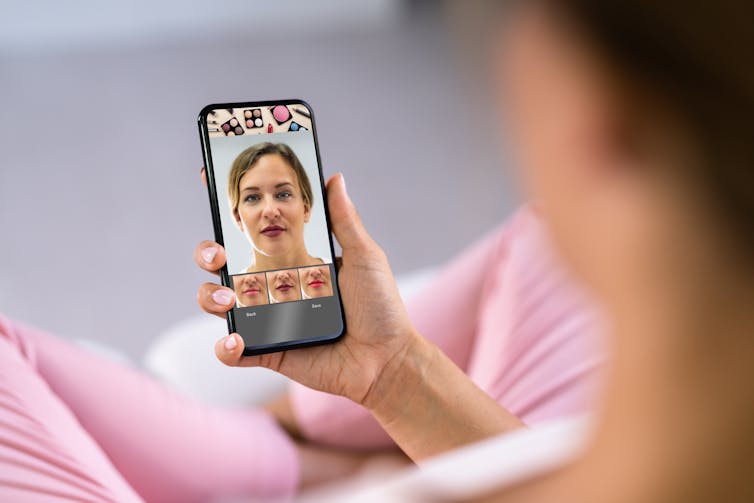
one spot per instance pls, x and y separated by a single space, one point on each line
374 252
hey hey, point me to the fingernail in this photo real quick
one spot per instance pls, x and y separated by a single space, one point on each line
223 296
343 179
230 343
208 254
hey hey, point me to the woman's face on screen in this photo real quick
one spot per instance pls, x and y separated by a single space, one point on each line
271 209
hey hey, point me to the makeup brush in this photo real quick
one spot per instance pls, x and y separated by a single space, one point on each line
302 112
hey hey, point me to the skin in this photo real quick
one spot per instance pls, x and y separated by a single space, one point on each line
270 198
315 282
607 171
284 285
251 290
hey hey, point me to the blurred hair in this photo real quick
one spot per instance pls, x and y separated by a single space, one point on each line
249 157
695 58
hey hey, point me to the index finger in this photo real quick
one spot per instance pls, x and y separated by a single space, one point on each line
210 256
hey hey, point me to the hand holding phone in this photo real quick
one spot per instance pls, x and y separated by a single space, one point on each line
269 212
378 325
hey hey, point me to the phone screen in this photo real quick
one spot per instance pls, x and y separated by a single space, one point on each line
269 212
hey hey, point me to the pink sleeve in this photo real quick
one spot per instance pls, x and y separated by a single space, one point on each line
538 343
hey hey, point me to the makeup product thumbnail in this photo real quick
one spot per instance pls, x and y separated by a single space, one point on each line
281 113
253 118
303 112
295 126
232 127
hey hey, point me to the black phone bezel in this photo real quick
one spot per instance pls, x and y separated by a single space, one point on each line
215 210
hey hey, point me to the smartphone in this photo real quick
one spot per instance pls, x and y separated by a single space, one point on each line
269 211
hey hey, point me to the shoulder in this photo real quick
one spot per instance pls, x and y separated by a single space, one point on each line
315 261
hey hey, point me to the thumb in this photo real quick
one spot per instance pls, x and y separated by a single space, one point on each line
346 222
229 350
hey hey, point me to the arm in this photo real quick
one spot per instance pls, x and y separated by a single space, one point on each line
429 406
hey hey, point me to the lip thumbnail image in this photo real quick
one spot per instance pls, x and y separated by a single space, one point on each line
315 281
284 285
251 290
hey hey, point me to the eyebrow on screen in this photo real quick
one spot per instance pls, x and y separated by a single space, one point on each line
281 184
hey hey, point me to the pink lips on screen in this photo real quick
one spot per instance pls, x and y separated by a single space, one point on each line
272 231
284 287
251 291
316 284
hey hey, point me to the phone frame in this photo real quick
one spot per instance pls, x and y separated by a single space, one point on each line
217 225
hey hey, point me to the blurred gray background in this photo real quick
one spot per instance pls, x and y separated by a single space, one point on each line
101 204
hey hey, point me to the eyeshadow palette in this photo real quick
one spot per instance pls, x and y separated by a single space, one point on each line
232 127
295 126
253 118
